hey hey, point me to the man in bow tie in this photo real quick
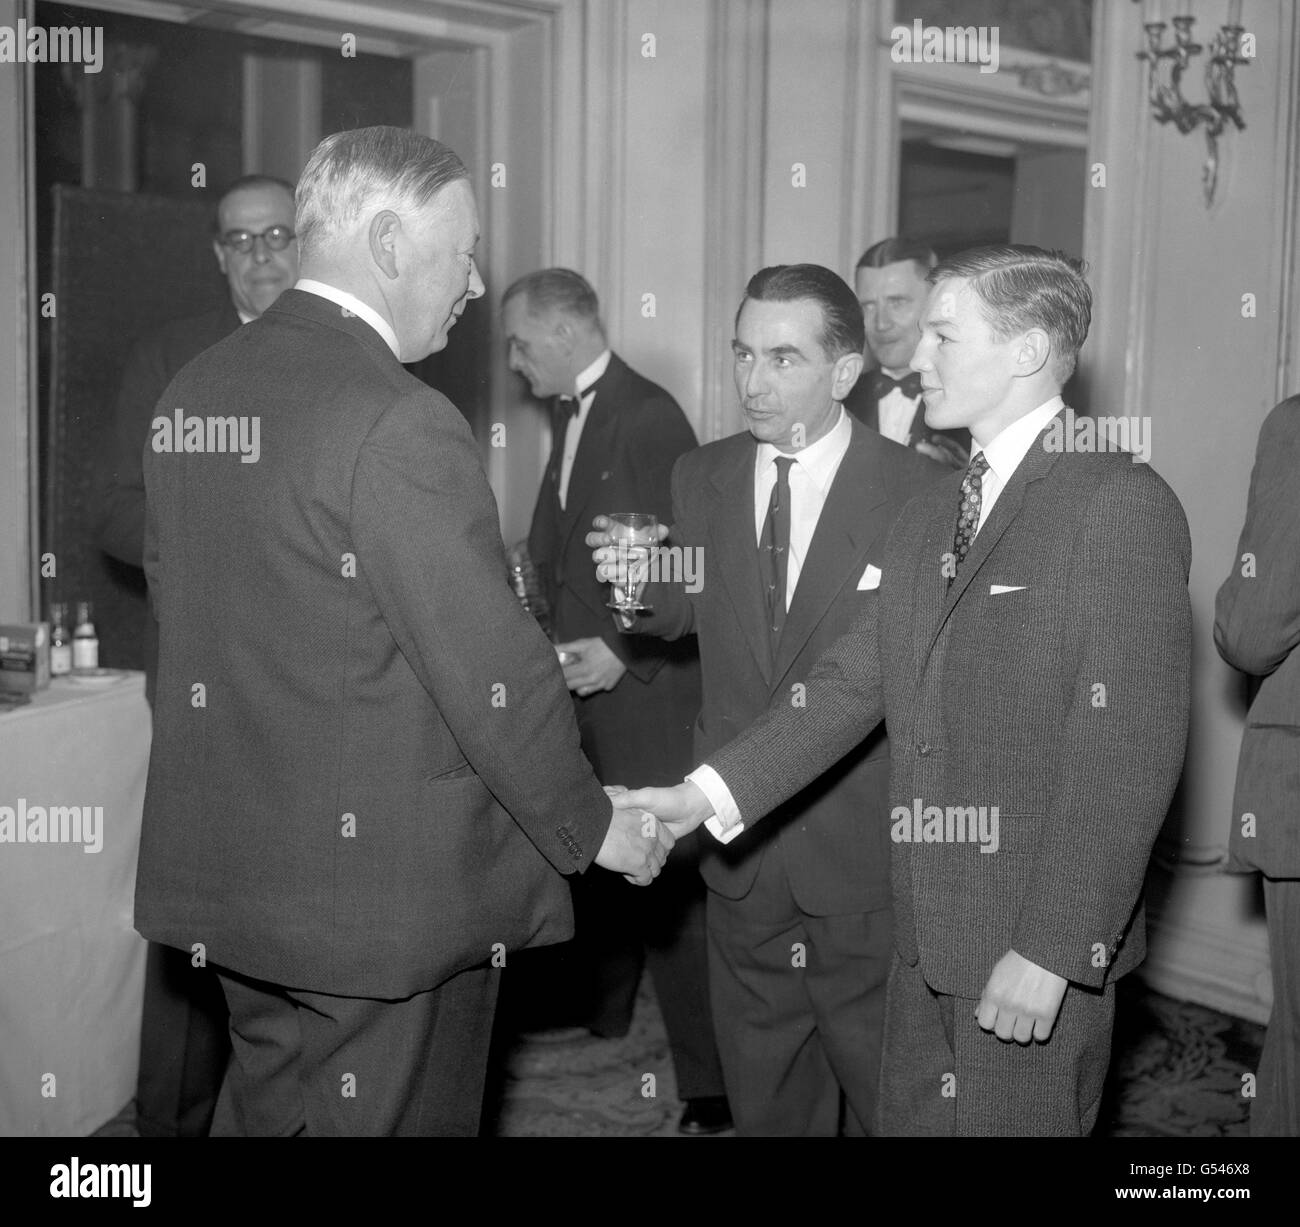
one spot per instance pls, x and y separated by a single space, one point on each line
1030 650
615 438
891 286
789 519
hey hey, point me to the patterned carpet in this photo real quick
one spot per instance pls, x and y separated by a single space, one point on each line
1176 1072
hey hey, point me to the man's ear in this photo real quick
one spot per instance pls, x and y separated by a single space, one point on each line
1032 353
845 374
385 227
220 253
565 336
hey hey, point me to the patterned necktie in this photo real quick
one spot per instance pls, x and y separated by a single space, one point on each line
968 514
774 550
882 384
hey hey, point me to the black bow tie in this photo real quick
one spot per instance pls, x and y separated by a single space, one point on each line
882 385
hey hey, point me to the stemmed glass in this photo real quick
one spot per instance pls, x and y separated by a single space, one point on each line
635 534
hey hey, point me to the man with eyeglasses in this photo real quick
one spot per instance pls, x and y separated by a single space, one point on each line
184 1043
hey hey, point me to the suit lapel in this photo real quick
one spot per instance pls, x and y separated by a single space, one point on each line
595 445
1037 463
852 517
731 523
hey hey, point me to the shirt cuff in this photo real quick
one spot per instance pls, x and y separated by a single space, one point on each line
726 822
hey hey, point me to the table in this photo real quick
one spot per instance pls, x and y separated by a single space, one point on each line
71 964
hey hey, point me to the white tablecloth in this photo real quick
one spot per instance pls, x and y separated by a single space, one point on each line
71 965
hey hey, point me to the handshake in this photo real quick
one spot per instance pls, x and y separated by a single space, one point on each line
645 825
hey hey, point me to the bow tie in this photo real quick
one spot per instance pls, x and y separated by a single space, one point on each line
882 385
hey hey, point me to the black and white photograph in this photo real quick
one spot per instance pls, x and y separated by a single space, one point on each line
650 569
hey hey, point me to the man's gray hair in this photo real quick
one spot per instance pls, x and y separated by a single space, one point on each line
351 174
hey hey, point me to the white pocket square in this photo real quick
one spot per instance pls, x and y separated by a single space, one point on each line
870 579
999 589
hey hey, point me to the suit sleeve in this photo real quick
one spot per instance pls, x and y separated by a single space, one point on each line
789 746
428 543
1257 610
1122 748
672 611
660 435
120 530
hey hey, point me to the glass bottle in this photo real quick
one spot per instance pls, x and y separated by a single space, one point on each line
60 640
85 643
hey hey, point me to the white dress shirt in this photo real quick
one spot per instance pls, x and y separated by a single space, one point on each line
573 427
350 302
1004 455
811 477
896 412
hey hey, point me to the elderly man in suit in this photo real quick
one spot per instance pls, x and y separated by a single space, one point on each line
891 286
788 521
615 437
184 1044
1030 649
365 785
1257 629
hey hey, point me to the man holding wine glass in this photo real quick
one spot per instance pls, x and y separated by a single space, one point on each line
615 438
785 525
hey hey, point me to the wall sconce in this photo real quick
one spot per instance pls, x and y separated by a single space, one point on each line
1165 68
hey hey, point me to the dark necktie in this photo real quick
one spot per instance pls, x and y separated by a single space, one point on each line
562 410
774 550
882 385
968 514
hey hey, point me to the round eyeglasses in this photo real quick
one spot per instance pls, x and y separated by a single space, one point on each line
277 238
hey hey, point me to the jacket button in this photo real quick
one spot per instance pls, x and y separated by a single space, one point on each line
923 748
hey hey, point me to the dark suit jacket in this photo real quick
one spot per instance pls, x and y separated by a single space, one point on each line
994 700
864 406
384 777
635 431
834 834
151 365
1257 629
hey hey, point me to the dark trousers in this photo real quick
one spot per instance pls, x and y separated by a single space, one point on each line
312 1065
184 1046
1276 1110
942 1076
622 929
798 1005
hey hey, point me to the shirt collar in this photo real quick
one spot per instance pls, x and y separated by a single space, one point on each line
1007 450
820 459
244 317
352 303
589 374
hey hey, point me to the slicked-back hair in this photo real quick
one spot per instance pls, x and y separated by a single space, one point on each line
350 174
1022 287
240 184
556 289
843 329
896 249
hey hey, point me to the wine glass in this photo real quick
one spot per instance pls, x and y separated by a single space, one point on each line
635 534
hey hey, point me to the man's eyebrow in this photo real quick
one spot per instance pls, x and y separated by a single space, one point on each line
942 321
780 351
